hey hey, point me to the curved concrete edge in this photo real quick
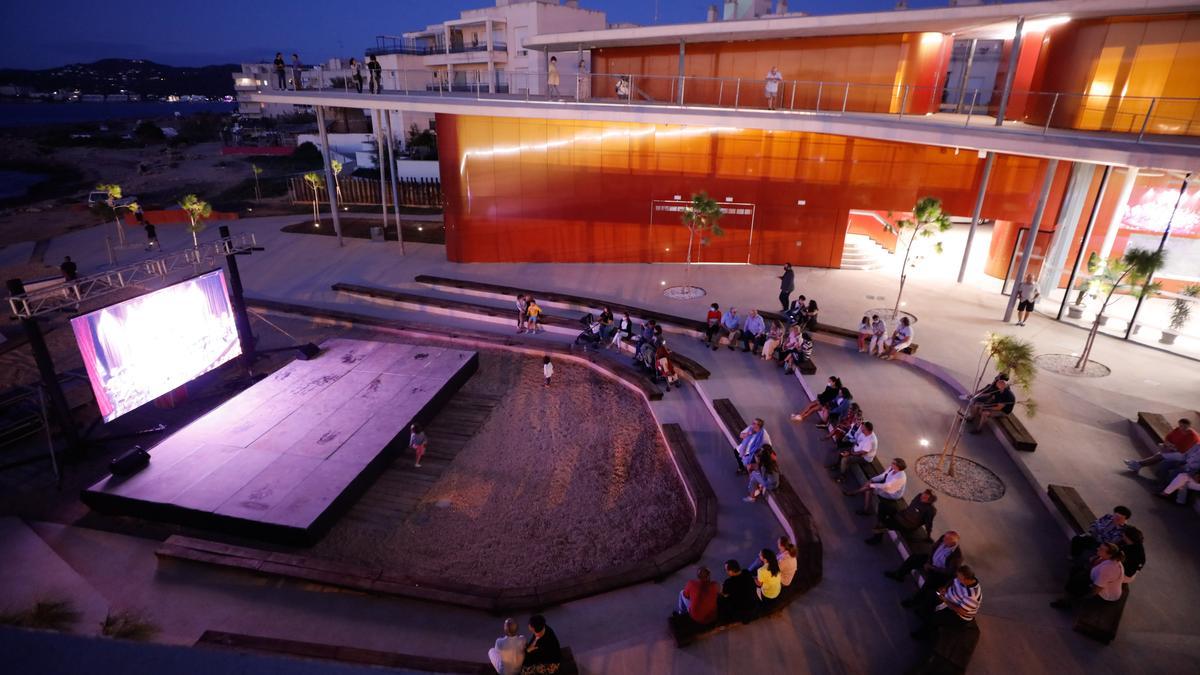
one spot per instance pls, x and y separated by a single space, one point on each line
699 492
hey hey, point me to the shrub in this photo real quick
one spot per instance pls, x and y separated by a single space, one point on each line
148 132
307 155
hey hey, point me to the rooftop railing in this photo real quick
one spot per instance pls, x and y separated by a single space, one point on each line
1162 120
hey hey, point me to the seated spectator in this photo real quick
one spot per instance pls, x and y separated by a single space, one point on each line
1179 486
624 332
862 445
508 655
730 328
878 335
919 514
1105 530
698 599
831 413
864 334
764 473
810 316
543 654
960 600
832 387
1132 545
901 339
791 343
1181 447
607 325
1103 579
739 594
997 401
845 425
887 488
754 332
752 438
794 313
936 567
664 368
768 579
774 340
803 354
712 326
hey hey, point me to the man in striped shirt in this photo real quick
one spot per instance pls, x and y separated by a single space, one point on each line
960 601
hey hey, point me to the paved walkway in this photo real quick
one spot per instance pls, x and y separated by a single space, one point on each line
1082 427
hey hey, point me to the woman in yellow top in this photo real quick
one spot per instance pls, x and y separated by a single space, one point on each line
533 314
769 582
552 77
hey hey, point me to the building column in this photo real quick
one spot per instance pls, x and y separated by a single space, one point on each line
491 54
1068 222
983 183
381 164
1051 169
1114 223
1013 57
449 66
330 185
545 71
395 189
682 73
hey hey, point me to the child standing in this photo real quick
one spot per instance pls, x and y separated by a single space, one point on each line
417 441
534 313
547 369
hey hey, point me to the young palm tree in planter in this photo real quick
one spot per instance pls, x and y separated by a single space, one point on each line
314 181
1087 287
701 218
1008 355
197 210
1181 313
927 221
1130 273
337 184
112 207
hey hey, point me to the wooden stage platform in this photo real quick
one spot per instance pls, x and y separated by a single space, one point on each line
282 459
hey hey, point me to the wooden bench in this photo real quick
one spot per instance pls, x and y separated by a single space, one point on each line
1097 619
1016 433
691 367
357 656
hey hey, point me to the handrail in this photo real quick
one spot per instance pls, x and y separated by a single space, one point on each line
1147 119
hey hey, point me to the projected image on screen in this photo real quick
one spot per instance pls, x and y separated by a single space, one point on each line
140 349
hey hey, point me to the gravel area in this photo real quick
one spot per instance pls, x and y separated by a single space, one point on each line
560 481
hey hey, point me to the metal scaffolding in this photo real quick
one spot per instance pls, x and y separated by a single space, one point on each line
69 294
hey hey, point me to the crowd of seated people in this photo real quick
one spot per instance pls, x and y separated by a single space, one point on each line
533 654
873 337
1177 461
746 593
788 345
1103 559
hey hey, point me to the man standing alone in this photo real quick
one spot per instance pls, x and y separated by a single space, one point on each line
787 284
1027 294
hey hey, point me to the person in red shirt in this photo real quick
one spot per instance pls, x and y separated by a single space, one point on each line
698 599
712 328
1180 447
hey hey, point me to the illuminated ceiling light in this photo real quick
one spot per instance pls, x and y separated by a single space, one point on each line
1038 25
924 442
931 38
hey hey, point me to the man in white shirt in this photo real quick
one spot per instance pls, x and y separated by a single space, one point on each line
901 339
887 488
865 444
508 655
1027 294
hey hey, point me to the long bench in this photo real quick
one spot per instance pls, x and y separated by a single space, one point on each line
357 656
1097 619
690 366
798 523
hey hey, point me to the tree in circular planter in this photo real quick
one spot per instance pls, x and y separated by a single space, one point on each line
702 219
314 181
927 222
1181 313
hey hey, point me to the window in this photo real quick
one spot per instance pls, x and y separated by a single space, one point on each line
520 33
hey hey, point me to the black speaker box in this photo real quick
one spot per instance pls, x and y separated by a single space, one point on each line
130 463
308 351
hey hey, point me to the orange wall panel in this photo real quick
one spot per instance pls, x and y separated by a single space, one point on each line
570 191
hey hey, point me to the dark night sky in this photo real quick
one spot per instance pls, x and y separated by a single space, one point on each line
43 34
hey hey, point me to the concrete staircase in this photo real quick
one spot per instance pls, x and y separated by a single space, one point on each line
863 253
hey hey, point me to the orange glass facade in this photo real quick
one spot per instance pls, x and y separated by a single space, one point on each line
536 190
1116 65
887 62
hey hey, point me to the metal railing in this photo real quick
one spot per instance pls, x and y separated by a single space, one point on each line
1146 119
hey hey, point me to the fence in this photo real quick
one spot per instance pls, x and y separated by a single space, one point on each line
356 191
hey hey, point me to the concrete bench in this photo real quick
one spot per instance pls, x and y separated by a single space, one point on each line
357 656
1156 425
1097 619
1016 433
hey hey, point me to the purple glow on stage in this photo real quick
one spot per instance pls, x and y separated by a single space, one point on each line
140 349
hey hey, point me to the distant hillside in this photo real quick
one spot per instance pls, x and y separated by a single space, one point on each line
110 76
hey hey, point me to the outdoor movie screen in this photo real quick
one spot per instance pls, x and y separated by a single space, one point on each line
142 348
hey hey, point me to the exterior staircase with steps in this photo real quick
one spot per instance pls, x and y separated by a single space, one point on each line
863 253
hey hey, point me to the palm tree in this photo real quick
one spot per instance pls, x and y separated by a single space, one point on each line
197 210
113 206
314 181
927 221
337 171
1008 355
257 170
1130 273
701 218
